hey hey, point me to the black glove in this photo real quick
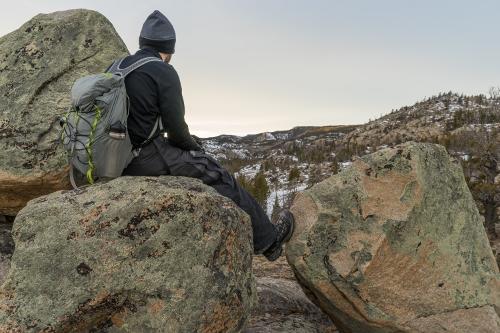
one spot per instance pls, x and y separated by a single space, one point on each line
197 140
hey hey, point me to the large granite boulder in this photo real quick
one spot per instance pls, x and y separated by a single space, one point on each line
137 254
396 244
38 64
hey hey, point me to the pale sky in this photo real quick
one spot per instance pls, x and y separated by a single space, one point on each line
262 65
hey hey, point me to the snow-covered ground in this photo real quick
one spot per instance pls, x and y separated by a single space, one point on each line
225 150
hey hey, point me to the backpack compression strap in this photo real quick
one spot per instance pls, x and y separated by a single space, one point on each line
123 72
151 137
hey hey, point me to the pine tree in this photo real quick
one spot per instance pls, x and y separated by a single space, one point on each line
335 167
294 174
276 208
314 176
260 189
244 182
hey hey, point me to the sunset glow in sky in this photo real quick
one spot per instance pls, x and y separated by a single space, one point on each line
253 66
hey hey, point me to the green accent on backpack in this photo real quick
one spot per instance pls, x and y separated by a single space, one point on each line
90 171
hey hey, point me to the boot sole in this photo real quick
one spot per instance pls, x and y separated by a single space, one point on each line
275 255
279 252
292 229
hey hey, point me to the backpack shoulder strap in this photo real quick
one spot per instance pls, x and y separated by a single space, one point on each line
116 68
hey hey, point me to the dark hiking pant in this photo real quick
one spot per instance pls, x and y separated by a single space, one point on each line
161 158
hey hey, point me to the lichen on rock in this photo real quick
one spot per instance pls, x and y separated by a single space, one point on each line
6 249
39 63
393 243
136 254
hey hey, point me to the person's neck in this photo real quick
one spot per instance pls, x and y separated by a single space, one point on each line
151 51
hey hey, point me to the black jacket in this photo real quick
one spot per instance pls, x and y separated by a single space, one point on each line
155 89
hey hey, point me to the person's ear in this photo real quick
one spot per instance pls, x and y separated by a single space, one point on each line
166 57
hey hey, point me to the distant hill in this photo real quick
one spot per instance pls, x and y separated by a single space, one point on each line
431 119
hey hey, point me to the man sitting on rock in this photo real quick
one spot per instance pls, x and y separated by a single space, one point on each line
155 90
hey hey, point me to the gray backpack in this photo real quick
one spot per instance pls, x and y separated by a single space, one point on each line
94 130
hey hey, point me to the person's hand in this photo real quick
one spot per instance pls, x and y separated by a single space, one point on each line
198 140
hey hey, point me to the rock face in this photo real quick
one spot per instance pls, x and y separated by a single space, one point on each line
396 244
133 255
38 64
282 305
6 249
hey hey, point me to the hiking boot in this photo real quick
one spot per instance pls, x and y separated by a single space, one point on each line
284 228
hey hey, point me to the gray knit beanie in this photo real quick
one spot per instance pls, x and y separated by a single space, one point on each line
158 33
